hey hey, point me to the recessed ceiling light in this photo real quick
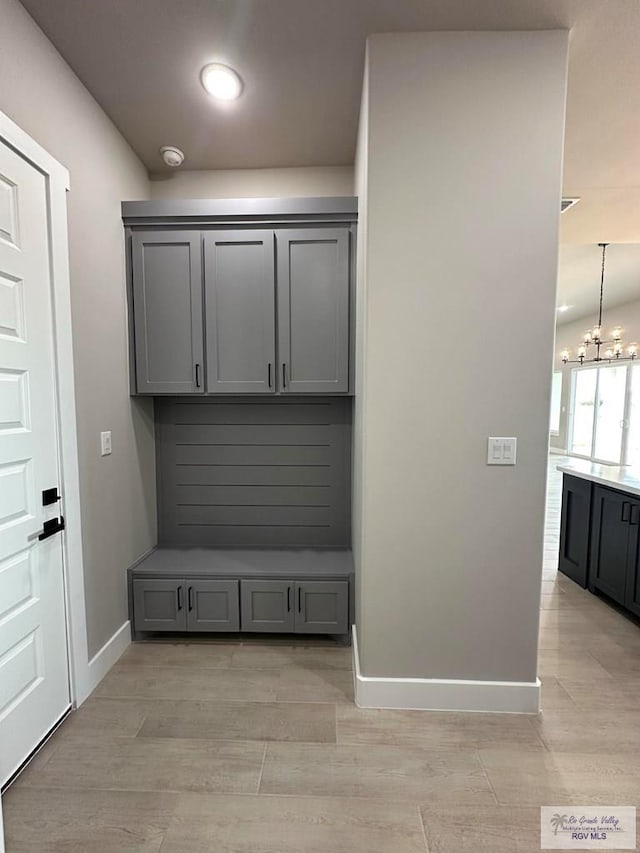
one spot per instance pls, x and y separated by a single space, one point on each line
563 308
221 81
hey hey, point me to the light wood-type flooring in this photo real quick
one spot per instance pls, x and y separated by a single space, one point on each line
257 747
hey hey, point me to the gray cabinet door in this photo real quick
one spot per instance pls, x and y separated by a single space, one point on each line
159 605
240 312
167 308
313 310
213 605
267 605
322 607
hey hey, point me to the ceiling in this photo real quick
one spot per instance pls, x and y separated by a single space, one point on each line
579 278
302 64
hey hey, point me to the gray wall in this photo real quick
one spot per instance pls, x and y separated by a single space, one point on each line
464 150
40 93
569 335
258 472
360 189
254 183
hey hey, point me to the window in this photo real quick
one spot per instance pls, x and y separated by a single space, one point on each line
556 397
583 396
601 404
633 418
612 384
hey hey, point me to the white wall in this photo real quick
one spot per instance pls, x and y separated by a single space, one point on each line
569 336
255 183
464 150
43 96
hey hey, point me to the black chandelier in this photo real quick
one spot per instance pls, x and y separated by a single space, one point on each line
593 337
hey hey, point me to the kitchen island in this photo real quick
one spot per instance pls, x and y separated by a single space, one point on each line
600 530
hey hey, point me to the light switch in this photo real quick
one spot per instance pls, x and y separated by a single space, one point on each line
105 443
509 451
501 450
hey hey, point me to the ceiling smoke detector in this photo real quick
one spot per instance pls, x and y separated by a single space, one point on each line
172 156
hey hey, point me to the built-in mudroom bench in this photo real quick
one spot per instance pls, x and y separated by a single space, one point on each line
242 329
301 591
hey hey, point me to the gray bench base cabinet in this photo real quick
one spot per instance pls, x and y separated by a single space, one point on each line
195 596
185 605
303 607
212 605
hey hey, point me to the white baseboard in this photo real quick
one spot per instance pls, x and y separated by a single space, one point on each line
437 694
102 661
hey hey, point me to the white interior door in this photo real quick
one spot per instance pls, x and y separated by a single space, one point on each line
34 677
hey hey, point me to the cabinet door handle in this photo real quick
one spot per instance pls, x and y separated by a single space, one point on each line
288 599
197 375
635 514
269 374
190 598
299 599
180 598
625 511
284 375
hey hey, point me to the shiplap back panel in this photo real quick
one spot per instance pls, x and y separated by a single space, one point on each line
254 472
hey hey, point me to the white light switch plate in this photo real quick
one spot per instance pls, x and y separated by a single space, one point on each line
105 443
501 450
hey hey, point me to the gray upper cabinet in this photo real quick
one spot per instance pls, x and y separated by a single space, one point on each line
167 308
313 310
241 296
240 312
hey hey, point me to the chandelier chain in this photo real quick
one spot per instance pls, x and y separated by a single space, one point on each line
594 337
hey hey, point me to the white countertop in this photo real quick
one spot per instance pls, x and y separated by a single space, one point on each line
617 477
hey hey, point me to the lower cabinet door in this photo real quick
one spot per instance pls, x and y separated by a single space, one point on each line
267 605
322 607
213 605
610 539
632 596
573 559
159 605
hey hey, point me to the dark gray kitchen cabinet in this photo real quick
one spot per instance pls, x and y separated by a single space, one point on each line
313 310
167 312
267 605
322 607
239 276
575 529
213 605
632 594
611 533
159 604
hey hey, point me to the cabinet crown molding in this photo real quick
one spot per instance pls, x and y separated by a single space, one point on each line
229 211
